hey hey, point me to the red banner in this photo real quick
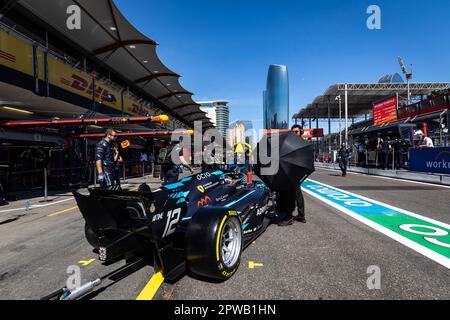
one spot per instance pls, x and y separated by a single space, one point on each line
385 111
312 133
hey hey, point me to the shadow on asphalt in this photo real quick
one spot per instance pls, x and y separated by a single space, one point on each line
118 277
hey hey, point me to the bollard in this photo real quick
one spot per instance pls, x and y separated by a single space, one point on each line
393 158
367 159
143 169
376 160
45 186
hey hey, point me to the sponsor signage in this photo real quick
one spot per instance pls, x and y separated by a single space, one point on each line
435 160
426 236
17 54
204 202
312 133
385 111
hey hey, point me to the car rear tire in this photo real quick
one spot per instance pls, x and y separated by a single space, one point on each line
214 243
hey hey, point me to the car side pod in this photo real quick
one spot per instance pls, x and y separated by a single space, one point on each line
214 243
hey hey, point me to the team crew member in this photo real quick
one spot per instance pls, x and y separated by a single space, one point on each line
105 159
298 130
424 141
171 169
118 165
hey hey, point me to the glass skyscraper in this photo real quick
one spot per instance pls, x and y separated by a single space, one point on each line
219 113
276 98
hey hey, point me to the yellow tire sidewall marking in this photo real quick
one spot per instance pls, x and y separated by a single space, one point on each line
219 235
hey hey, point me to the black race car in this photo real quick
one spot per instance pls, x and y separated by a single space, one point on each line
201 223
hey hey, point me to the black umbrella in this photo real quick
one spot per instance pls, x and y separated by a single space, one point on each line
296 161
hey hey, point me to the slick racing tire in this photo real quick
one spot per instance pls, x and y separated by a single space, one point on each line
214 243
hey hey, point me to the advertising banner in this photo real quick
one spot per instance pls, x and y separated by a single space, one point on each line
312 133
136 107
385 111
64 76
435 160
15 53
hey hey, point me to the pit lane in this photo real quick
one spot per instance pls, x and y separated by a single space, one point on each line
327 258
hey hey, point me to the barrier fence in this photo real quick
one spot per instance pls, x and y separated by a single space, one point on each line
60 179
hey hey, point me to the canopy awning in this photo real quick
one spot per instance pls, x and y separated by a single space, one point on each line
107 35
361 98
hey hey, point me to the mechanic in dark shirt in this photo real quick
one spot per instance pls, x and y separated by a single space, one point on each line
171 169
105 159
385 153
397 147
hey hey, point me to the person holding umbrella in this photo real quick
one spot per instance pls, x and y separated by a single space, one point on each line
296 163
300 201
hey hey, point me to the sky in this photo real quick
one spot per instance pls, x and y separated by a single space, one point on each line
223 49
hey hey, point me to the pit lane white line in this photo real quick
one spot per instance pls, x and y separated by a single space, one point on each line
37 206
389 178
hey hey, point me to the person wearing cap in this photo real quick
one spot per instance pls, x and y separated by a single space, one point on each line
299 199
287 201
424 141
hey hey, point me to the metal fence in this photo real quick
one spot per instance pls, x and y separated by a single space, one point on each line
62 179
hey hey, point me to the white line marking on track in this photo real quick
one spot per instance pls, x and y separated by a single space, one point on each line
395 236
389 178
37 206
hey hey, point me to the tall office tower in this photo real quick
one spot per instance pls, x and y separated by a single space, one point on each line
242 132
276 98
219 113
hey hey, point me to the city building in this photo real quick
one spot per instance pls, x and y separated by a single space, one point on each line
276 98
218 112
241 132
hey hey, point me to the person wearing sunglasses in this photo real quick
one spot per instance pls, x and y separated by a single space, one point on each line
287 201
105 159
300 201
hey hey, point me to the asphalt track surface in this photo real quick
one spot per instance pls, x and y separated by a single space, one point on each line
327 258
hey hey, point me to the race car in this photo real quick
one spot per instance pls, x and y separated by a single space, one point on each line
200 224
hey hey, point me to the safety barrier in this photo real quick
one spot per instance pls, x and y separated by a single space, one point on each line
59 179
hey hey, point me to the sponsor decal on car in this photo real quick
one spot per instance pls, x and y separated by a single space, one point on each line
260 211
203 176
203 202
222 198
158 217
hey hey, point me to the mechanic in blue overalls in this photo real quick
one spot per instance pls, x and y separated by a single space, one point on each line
105 159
